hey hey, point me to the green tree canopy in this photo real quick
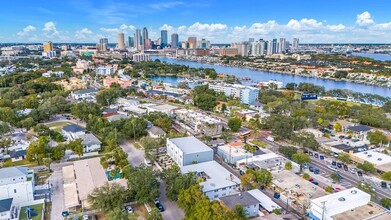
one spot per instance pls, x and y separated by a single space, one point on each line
234 124
108 197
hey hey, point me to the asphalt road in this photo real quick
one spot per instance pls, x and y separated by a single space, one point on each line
353 179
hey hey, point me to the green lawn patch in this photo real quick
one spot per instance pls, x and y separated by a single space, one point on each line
259 143
37 209
58 125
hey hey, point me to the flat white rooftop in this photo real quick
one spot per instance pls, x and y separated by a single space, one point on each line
217 176
190 145
374 157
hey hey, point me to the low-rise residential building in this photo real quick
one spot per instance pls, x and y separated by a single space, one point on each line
200 123
352 204
85 175
265 204
381 161
188 150
90 143
140 57
116 117
84 94
18 155
360 131
245 199
216 180
72 83
163 108
245 94
81 66
269 161
124 83
72 132
156 132
17 183
104 70
232 152
50 74
6 209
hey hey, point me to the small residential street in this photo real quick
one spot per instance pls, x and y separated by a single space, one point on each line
172 211
57 190
135 156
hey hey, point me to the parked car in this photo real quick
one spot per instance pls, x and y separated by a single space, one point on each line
314 182
311 179
332 168
85 217
159 206
321 157
311 169
305 165
345 167
310 153
359 173
339 165
337 189
352 170
65 213
334 163
43 169
147 162
316 155
316 171
383 184
129 209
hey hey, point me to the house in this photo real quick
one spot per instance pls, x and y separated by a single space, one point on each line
84 94
19 141
232 152
156 132
315 132
116 117
17 183
217 181
245 199
360 130
265 204
73 131
122 82
256 106
163 108
6 208
18 155
90 143
188 150
270 161
349 204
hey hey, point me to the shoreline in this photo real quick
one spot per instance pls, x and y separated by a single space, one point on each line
280 72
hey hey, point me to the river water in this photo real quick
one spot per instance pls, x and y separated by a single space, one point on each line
375 56
261 76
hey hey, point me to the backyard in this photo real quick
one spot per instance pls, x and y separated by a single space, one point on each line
57 126
35 208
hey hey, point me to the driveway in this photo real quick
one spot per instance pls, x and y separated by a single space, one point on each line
172 211
57 191
135 156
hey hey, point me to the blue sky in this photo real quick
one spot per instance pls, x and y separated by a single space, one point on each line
350 21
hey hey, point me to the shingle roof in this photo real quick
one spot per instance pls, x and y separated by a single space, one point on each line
72 128
16 154
90 139
243 198
156 131
360 128
13 172
5 204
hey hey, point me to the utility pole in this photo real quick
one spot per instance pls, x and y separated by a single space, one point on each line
323 209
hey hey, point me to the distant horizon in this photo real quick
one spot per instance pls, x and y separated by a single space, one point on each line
215 20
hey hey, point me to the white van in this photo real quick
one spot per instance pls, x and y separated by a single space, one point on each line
147 162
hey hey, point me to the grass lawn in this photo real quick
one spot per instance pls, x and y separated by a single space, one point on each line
259 143
37 209
24 163
58 125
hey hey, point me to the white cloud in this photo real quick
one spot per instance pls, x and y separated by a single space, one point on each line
304 24
166 5
26 30
167 27
123 28
50 29
336 28
364 19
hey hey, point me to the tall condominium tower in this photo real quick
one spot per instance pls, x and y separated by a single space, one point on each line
121 41
174 40
164 39
192 42
137 39
103 44
47 46
145 38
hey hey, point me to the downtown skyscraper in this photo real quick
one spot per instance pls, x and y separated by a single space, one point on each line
137 40
163 39
145 38
121 41
174 40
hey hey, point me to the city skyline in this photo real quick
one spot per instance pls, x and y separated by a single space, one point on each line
312 23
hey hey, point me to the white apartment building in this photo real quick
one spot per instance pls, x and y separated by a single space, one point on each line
17 183
258 48
188 150
217 181
245 94
104 70
199 122
140 57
